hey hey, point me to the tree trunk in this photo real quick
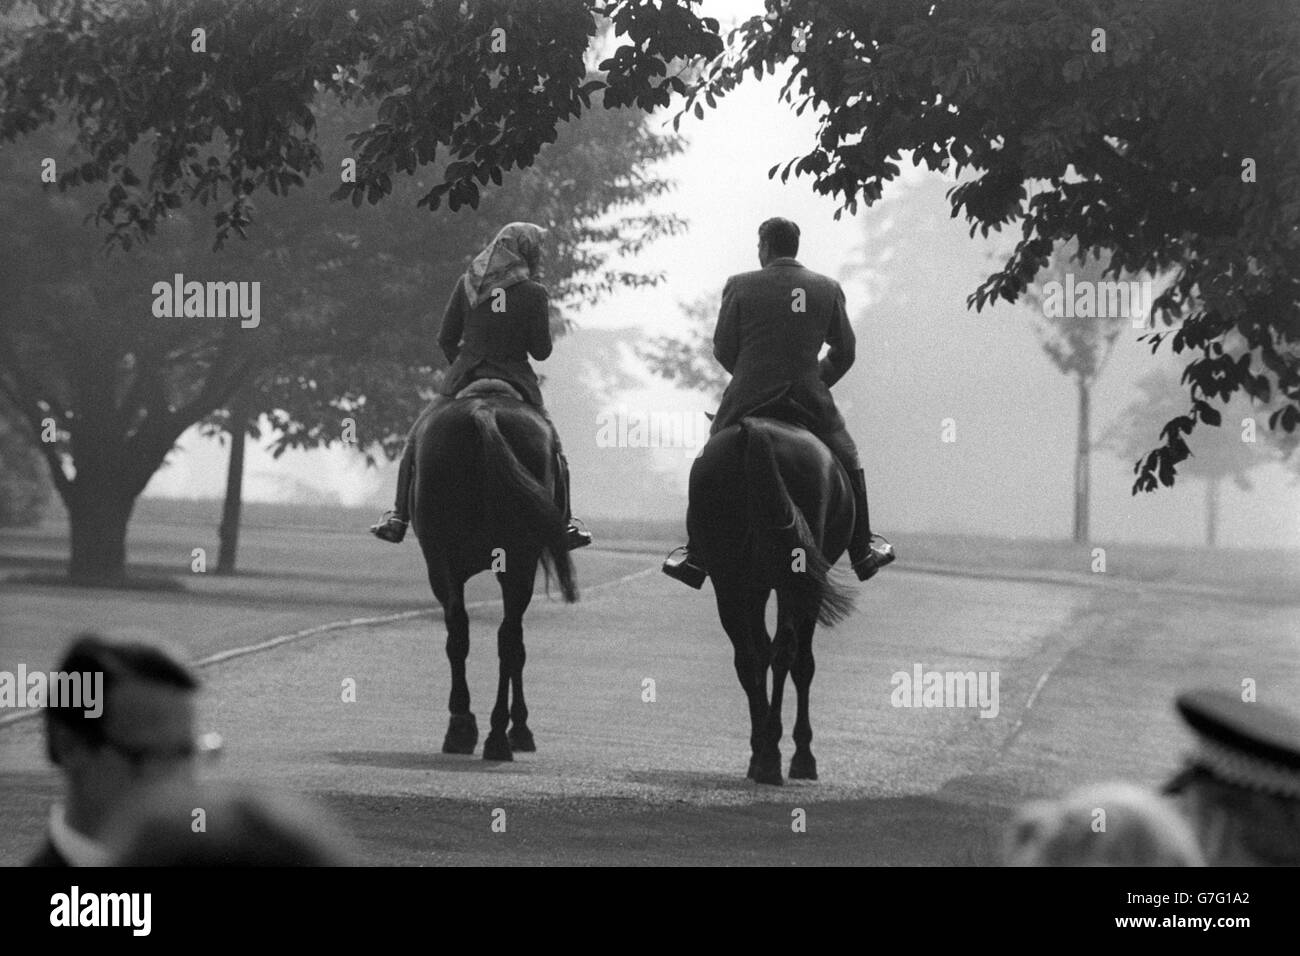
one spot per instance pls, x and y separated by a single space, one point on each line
1211 512
1083 448
230 510
100 497
98 519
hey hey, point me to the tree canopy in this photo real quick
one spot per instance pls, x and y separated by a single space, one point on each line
689 361
350 295
1163 135
487 82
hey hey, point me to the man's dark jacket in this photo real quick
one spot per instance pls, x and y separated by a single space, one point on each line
480 343
771 348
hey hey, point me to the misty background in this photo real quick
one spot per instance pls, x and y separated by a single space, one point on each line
923 357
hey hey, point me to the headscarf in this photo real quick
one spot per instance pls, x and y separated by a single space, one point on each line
510 258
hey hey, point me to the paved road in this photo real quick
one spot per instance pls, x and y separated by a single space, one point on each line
1086 677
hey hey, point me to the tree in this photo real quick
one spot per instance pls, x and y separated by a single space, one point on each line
579 189
239 419
622 481
1163 135
489 81
1221 454
689 360
24 489
77 341
1079 343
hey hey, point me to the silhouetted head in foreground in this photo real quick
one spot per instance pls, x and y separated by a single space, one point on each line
1112 824
140 732
1240 785
222 824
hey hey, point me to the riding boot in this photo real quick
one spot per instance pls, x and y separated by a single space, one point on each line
392 526
578 537
866 558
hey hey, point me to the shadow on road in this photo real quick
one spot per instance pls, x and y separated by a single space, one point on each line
896 831
420 760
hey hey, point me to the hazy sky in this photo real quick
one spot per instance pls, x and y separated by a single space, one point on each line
923 359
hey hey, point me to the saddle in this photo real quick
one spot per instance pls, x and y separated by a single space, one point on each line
482 387
784 408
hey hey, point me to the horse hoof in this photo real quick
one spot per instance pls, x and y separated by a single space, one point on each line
497 747
803 767
462 735
521 740
753 768
767 770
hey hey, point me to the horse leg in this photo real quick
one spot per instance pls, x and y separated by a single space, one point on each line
516 593
519 736
784 647
462 728
751 667
803 765
766 765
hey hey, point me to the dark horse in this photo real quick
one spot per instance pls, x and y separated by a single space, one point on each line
772 510
483 498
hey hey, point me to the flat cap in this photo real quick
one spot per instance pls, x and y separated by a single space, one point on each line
1248 744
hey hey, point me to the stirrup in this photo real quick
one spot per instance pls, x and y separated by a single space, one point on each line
577 533
390 528
877 557
682 568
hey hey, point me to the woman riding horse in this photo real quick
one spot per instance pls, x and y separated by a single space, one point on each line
497 316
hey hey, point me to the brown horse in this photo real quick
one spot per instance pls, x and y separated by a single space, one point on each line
483 498
772 510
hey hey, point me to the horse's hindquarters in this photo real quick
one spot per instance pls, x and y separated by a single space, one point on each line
485 489
771 508
735 492
717 519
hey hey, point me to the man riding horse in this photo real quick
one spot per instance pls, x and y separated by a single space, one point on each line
771 328
497 316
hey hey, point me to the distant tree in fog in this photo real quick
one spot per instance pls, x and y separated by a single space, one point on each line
1160 134
1228 453
1165 133
585 380
687 360
1079 346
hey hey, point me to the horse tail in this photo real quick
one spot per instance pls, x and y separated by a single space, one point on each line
510 487
779 528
